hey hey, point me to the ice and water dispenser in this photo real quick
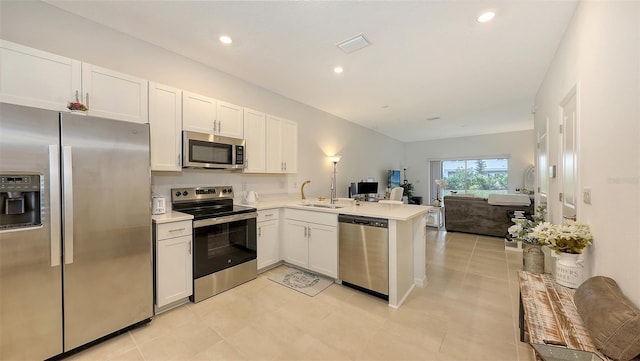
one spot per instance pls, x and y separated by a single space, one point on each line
20 201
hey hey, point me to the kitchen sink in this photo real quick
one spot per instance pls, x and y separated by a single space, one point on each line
315 205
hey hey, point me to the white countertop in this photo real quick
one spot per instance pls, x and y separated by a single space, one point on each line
401 212
171 216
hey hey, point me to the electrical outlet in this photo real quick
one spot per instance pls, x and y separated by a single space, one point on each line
244 186
586 195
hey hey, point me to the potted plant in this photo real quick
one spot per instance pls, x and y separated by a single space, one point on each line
532 256
77 106
408 190
568 242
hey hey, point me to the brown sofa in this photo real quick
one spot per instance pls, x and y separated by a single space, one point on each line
476 215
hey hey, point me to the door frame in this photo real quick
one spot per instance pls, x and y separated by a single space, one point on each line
574 92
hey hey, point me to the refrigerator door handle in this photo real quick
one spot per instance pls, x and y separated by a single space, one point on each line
54 203
67 177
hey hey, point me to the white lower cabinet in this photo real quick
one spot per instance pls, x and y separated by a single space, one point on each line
311 241
268 240
173 263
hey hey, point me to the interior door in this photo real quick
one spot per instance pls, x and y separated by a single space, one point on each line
569 154
543 164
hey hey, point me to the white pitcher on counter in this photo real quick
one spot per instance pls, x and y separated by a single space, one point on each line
251 197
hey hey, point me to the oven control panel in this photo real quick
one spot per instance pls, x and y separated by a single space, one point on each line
201 193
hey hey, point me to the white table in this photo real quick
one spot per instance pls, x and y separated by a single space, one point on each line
435 217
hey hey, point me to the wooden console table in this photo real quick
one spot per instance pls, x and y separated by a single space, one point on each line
549 316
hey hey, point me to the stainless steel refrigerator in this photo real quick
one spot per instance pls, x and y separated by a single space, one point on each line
75 230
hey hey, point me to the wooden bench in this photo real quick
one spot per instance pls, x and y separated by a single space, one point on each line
548 314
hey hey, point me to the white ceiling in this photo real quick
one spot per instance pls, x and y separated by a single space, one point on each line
426 59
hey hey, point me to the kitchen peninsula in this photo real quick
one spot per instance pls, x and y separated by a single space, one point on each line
406 229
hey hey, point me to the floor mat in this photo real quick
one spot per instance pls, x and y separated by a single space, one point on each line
308 283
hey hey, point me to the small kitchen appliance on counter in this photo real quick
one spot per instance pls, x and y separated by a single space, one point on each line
159 204
251 197
224 239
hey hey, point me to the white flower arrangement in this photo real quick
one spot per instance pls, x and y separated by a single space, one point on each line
570 237
440 183
522 228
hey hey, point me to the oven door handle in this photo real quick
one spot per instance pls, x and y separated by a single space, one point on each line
225 219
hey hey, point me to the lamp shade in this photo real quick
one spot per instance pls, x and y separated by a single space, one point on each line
335 158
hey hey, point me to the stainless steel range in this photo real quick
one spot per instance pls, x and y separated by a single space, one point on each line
224 239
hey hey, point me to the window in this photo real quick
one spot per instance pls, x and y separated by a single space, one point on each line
479 177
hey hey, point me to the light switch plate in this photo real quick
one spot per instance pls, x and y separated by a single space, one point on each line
586 195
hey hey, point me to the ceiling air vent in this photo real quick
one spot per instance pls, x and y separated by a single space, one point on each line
353 43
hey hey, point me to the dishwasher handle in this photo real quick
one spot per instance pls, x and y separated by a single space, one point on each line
363 221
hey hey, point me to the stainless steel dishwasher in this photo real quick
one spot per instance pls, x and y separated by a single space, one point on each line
364 254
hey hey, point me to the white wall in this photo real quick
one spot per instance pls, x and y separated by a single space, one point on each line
600 53
365 153
517 146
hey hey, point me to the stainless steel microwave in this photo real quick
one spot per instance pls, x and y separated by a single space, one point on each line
200 150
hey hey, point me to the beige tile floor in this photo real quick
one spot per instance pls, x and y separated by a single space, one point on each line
467 311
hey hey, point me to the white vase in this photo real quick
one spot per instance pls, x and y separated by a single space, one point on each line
569 269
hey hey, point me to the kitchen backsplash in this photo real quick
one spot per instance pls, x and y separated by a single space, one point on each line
267 185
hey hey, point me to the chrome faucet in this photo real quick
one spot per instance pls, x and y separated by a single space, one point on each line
302 189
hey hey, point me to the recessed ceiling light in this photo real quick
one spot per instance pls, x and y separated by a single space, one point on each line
488 16
338 69
225 40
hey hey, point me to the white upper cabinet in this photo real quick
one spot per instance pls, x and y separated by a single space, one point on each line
198 113
207 115
282 145
290 146
114 95
275 163
255 124
35 78
230 120
165 127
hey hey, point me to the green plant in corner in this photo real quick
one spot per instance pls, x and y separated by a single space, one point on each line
408 187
